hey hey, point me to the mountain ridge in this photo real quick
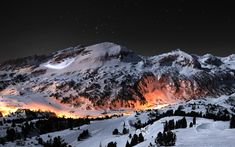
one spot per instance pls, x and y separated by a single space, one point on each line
109 76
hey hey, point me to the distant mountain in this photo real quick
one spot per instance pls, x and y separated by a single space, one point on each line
110 76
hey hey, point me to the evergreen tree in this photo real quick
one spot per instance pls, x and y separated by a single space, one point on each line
85 134
166 139
191 125
166 128
11 134
134 140
100 145
232 122
112 144
25 129
59 142
13 124
170 138
125 131
171 124
194 120
128 144
159 138
115 132
141 137
56 142
2 141
184 123
40 141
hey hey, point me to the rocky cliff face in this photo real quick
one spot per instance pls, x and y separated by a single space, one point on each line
109 76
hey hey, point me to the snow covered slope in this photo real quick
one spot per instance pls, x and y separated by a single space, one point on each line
206 132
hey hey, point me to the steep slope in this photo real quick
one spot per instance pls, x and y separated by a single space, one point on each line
109 76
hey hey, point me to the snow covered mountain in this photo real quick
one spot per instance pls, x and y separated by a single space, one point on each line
107 76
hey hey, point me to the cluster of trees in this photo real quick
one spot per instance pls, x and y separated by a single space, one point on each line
85 134
181 123
41 126
11 135
56 124
166 138
56 142
124 131
112 144
136 139
47 122
218 116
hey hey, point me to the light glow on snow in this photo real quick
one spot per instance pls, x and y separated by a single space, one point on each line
61 65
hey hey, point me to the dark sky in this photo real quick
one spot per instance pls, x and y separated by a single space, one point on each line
147 27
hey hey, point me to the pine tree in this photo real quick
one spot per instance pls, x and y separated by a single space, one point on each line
59 142
171 124
194 120
166 139
141 137
134 140
232 122
128 144
11 134
112 144
159 138
184 123
170 138
100 145
13 124
115 132
125 131
166 128
191 125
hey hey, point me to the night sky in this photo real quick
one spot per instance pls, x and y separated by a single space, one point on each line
147 27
